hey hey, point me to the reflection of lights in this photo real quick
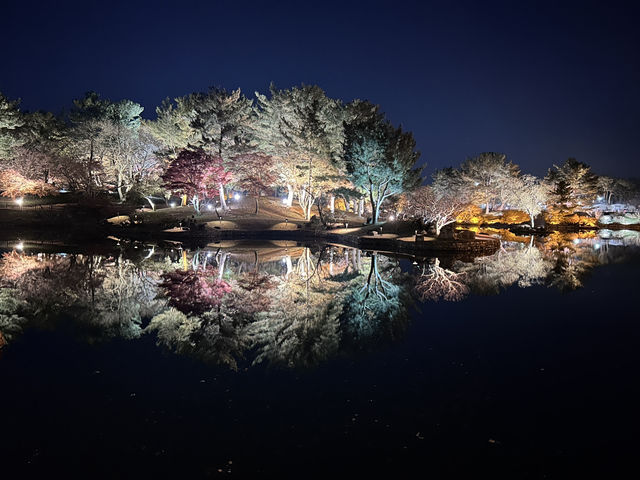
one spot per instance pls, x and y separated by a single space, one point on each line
19 246
19 201
597 246
391 218
476 183
599 198
172 205
209 254
576 241
236 196
209 207
284 200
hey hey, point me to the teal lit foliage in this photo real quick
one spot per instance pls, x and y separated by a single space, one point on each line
377 310
379 158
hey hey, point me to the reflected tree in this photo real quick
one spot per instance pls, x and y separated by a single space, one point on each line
377 309
436 282
13 313
514 263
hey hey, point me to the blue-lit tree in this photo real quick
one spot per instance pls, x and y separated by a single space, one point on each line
379 158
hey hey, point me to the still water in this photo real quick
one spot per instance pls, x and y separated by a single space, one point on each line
240 359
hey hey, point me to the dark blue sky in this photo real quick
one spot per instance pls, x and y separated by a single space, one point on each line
540 81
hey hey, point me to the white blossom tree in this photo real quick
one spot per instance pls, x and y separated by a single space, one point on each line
436 206
529 194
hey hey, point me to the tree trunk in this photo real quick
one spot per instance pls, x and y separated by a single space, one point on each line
486 208
361 208
257 204
374 207
332 203
289 201
289 265
196 204
320 210
532 221
153 206
221 263
223 203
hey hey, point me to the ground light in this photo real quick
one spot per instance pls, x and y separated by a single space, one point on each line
236 196
19 201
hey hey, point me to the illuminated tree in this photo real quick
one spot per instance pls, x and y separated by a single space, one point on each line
573 184
84 149
14 185
267 137
126 156
10 122
254 173
379 159
488 177
610 188
301 128
529 194
172 127
436 206
222 122
38 157
194 173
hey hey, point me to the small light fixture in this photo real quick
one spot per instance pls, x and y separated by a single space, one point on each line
172 205
236 196
19 246
19 201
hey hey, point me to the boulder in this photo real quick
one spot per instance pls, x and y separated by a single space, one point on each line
467 235
446 234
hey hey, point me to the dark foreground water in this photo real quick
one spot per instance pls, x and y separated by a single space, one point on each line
140 361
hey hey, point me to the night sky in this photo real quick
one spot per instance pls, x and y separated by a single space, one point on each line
541 81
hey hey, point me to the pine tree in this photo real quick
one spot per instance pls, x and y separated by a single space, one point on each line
10 121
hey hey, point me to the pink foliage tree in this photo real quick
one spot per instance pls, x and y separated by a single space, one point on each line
214 178
194 291
195 174
254 173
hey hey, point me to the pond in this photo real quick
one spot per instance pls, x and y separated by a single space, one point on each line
279 358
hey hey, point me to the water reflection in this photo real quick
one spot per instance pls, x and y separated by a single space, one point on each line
239 304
